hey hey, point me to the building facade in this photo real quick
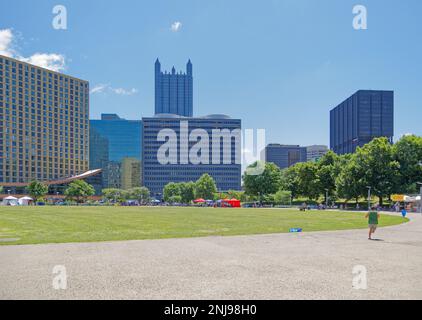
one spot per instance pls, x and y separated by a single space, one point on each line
284 156
366 115
115 147
44 123
174 91
182 161
316 152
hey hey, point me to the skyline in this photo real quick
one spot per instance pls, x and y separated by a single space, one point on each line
296 87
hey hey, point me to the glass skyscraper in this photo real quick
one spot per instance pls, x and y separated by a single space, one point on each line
226 169
174 91
115 147
366 115
43 124
284 156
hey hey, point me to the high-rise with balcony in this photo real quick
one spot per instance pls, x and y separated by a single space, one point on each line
44 128
174 91
366 115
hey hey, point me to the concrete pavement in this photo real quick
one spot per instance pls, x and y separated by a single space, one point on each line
315 265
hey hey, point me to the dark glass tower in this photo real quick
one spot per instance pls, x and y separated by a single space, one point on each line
174 91
366 115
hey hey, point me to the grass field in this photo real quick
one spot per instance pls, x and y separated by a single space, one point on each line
36 225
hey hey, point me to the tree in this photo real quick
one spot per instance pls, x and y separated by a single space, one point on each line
141 194
290 181
187 192
308 184
1 189
377 167
233 194
283 197
408 153
37 190
79 191
349 182
170 190
113 194
205 187
326 172
175 199
264 184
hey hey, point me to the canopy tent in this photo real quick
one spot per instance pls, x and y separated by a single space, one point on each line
25 201
409 199
10 198
199 201
10 201
234 203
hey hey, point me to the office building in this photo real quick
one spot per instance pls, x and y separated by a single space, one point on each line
219 157
284 156
174 91
316 152
115 145
366 115
130 173
43 124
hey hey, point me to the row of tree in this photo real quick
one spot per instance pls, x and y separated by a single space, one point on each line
384 167
185 192
140 194
77 191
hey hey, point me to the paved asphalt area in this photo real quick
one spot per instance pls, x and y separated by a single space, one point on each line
315 265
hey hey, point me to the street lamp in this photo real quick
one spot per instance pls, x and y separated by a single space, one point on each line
326 198
420 193
369 197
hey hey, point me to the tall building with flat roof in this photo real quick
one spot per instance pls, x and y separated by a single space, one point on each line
174 91
220 158
44 126
366 115
115 144
284 156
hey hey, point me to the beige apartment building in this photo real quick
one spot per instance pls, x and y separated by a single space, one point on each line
44 124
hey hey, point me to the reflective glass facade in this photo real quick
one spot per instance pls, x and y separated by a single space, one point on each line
113 141
156 175
366 115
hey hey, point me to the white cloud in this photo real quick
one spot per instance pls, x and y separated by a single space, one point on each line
6 39
99 88
51 61
176 26
55 62
103 88
125 92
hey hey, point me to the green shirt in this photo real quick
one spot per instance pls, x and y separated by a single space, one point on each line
373 217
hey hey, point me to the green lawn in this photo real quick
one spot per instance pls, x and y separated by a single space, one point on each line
35 225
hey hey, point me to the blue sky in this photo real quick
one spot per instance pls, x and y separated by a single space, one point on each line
280 65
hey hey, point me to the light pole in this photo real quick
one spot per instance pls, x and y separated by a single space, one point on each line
326 198
369 197
420 193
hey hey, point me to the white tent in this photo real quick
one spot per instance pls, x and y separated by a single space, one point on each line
412 199
25 201
10 201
